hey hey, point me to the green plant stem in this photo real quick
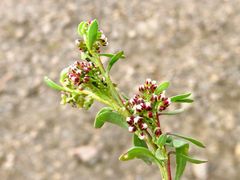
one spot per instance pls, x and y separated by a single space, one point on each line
113 90
163 171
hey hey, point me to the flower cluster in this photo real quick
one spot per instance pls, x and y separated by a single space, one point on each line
79 72
100 41
81 75
135 123
145 108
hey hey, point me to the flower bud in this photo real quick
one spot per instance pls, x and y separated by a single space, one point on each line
141 88
150 114
154 98
148 106
132 128
148 81
158 132
137 119
130 120
143 126
161 108
86 79
141 136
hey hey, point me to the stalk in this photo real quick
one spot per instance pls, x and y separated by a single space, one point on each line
163 171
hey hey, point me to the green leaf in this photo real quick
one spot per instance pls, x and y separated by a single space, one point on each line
52 84
163 86
159 155
114 59
177 143
192 160
179 97
110 55
63 75
162 140
92 34
106 114
140 153
184 101
81 27
192 140
177 111
138 142
180 160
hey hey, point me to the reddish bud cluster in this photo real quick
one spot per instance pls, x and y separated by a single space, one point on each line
79 72
148 87
146 105
136 123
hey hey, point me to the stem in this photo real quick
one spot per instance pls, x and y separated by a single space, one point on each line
113 90
163 171
169 167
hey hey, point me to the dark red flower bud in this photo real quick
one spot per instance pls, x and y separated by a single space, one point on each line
161 108
86 79
158 132
132 129
150 114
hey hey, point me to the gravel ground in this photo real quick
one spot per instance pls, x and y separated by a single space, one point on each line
193 44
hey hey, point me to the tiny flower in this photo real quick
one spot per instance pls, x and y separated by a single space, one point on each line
132 128
148 106
141 136
143 105
141 88
86 69
154 98
167 102
161 108
153 87
130 120
86 79
140 100
137 119
158 132
148 81
150 114
131 101
138 108
143 126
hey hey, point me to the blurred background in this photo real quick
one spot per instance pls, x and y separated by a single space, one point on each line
193 44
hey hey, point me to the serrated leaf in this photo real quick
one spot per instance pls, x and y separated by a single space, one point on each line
192 140
138 142
163 86
184 101
110 55
138 152
92 34
162 140
81 27
114 59
177 111
52 84
181 161
181 96
106 114
192 160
